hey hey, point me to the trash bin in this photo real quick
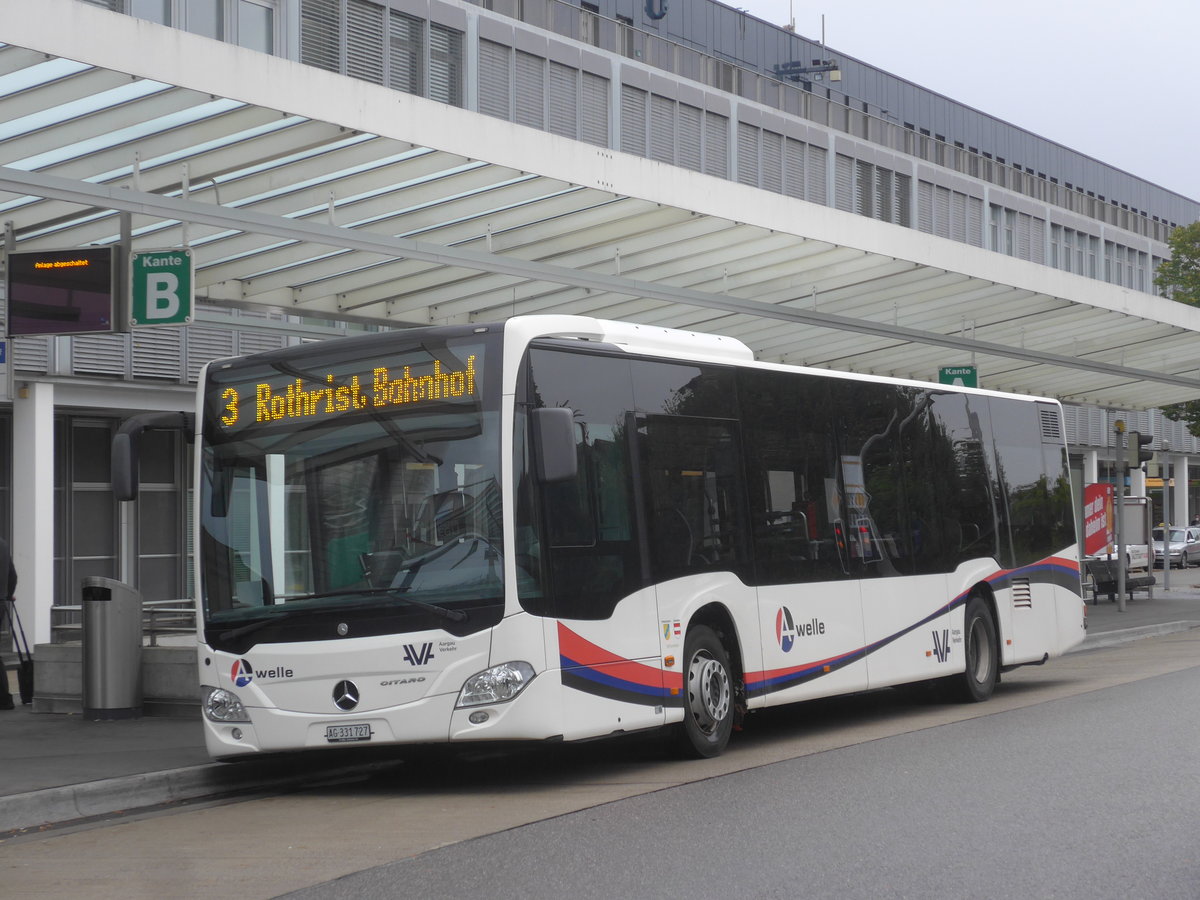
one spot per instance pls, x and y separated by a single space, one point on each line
112 650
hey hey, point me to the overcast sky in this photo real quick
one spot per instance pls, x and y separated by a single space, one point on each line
1118 80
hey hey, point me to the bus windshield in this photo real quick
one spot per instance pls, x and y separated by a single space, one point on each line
343 494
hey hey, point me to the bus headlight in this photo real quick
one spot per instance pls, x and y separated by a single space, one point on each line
495 685
220 705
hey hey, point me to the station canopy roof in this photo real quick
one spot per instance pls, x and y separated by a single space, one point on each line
325 196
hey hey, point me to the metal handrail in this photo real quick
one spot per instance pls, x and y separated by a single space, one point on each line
159 618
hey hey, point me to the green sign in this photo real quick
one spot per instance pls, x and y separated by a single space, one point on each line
959 376
160 287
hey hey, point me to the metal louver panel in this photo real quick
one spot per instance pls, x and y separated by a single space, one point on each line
817 174
530 79
843 183
31 354
925 207
364 41
406 45
205 344
716 144
564 91
885 188
320 34
941 211
494 80
593 113
256 342
157 352
1037 240
958 217
975 221
445 65
864 188
1023 235
1072 420
1097 427
662 128
772 161
747 154
793 169
903 201
99 354
690 137
633 120
248 341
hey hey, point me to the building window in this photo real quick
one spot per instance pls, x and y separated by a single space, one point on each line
154 10
256 26
205 17
87 533
161 527
247 23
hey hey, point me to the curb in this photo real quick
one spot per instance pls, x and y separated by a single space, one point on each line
1125 635
52 807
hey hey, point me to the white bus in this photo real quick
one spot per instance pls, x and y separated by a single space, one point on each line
559 528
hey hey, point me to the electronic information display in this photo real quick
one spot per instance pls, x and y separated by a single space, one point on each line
61 291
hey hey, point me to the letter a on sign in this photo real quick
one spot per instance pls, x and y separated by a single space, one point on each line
160 287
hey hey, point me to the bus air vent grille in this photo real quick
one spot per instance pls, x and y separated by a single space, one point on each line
1022 593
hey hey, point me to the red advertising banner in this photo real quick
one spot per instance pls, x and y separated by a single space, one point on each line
1097 519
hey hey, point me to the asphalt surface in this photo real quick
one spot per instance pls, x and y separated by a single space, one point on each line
56 769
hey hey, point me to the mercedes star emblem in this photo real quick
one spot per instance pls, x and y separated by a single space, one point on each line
345 695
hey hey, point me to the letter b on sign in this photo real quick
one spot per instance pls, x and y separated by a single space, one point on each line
160 287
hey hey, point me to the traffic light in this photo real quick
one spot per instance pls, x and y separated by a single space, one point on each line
1135 452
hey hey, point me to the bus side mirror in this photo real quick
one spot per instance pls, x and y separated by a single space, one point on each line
125 443
554 444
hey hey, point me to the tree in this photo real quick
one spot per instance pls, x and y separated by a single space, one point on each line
1180 276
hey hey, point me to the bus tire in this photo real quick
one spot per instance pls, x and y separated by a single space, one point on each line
978 681
708 701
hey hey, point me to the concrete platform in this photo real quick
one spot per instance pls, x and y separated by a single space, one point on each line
56 767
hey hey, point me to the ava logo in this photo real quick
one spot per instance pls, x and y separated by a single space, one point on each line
242 673
785 629
418 655
941 645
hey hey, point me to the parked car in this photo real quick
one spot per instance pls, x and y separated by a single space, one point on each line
1184 545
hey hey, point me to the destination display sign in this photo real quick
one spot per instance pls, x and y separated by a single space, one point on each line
334 394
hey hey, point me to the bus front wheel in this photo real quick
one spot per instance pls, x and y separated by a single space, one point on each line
979 644
708 694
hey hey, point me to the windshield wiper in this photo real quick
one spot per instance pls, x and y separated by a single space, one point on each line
247 629
442 612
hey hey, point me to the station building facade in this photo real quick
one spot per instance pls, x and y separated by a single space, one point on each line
702 86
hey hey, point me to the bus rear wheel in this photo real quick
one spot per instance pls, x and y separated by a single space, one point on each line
978 682
708 706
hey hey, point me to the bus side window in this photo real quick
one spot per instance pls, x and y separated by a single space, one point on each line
795 497
694 493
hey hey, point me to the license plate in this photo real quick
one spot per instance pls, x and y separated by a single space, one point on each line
340 734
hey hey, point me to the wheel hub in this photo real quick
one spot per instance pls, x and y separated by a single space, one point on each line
709 691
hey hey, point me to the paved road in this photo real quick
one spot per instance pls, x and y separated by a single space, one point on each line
625 806
1092 796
